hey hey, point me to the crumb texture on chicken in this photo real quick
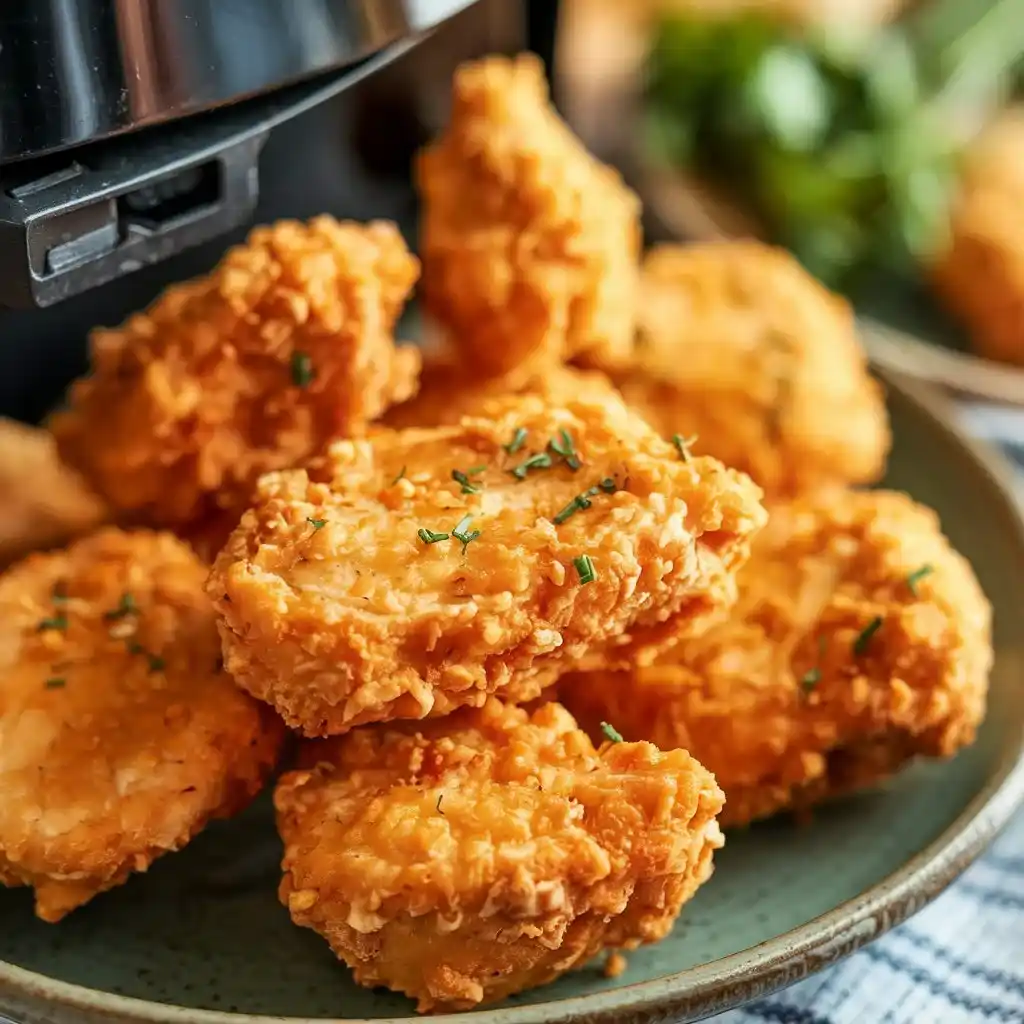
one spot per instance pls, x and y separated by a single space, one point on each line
860 640
530 246
43 503
741 348
286 345
416 571
120 733
460 861
980 275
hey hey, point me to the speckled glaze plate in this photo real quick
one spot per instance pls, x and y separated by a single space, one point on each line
202 938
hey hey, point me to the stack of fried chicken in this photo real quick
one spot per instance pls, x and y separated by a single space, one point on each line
547 611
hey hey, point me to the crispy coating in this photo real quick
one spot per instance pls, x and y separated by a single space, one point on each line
120 734
980 275
467 859
447 392
741 347
338 612
43 503
286 345
530 246
782 702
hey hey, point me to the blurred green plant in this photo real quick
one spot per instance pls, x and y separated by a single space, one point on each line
843 147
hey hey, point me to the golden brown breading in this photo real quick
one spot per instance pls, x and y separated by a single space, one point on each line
980 276
447 392
741 347
860 640
120 734
530 246
338 608
466 859
286 345
43 503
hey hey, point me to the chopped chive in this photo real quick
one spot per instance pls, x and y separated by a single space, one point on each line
460 532
401 473
59 594
468 487
317 524
916 576
156 663
565 447
810 679
58 621
539 461
611 732
474 470
438 805
517 442
126 606
303 373
863 641
134 647
582 501
430 537
55 683
585 569
683 445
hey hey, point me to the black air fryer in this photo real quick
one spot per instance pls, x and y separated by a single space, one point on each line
140 138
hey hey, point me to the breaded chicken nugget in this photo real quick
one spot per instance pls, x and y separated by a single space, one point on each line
530 246
741 347
860 640
980 276
286 345
467 859
447 392
120 734
43 503
417 571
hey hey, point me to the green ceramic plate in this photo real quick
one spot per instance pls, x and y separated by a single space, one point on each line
203 936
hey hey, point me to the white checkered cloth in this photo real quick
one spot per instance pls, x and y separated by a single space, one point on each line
961 959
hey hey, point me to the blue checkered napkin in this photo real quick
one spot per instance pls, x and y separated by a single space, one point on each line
959 961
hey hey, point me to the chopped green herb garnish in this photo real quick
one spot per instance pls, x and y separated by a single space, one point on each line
564 446
59 594
517 442
810 679
58 621
539 461
863 641
303 373
468 487
683 445
585 569
134 647
582 501
916 576
55 683
460 532
317 524
401 473
439 799
475 470
611 732
429 537
126 606
156 663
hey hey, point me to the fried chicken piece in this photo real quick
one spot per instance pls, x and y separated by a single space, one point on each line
980 276
121 736
447 392
285 346
530 246
418 571
42 502
741 347
463 860
860 640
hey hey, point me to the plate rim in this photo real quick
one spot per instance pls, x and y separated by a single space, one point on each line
695 992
